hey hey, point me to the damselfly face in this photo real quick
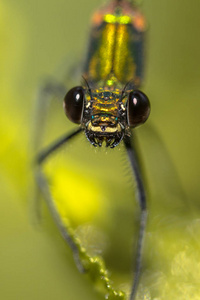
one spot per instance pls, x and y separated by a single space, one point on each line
106 115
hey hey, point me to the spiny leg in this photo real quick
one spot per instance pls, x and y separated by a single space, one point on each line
143 215
44 188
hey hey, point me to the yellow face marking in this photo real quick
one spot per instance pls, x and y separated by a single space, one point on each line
107 129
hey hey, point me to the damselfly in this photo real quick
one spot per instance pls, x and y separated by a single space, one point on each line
108 105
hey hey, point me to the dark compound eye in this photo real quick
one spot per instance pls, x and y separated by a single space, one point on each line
138 108
73 104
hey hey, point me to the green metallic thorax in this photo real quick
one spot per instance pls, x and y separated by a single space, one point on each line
112 60
115 50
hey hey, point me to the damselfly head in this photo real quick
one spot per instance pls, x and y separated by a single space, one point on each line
105 115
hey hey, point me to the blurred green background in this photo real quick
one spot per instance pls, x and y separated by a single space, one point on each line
36 37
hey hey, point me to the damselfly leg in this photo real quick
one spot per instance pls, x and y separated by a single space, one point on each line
143 214
44 188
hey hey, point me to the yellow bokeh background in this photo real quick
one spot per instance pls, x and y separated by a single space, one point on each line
38 38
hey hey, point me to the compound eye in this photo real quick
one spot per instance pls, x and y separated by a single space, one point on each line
73 104
138 108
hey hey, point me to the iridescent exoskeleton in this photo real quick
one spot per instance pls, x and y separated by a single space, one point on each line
108 105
